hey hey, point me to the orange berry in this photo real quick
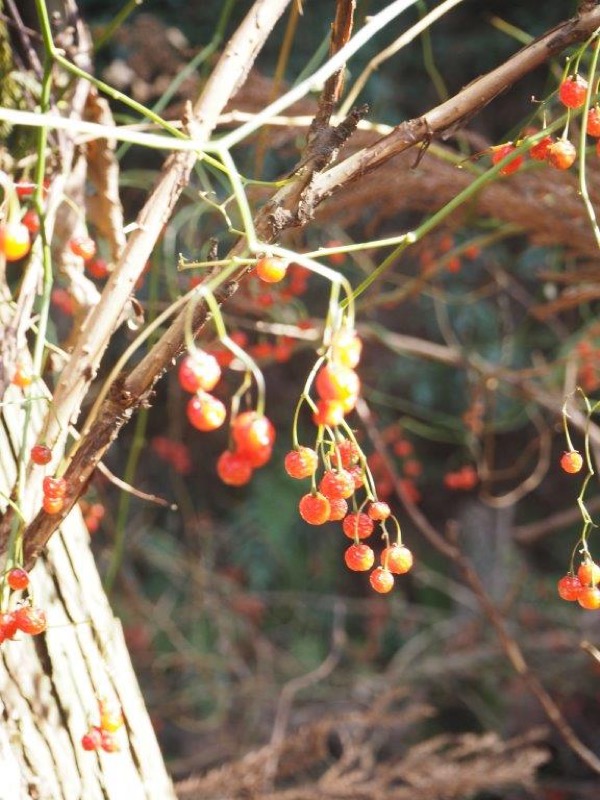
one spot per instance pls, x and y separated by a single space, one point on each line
561 154
301 463
397 558
571 461
271 269
382 580
314 508
588 573
569 588
359 557
357 526
14 240
589 598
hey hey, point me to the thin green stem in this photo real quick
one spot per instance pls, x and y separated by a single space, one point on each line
116 23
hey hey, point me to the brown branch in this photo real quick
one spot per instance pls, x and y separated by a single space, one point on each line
451 115
453 553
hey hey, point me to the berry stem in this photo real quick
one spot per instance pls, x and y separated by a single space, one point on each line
583 188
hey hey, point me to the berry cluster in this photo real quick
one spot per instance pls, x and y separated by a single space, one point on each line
582 586
23 617
463 479
104 736
252 433
344 468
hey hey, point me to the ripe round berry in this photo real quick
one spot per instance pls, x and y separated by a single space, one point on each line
593 122
199 371
54 487
22 376
539 151
31 221
252 431
397 558
337 382
53 505
314 508
349 453
335 485
359 557
40 454
329 412
338 508
589 598
561 154
92 740
233 468
378 510
18 579
357 526
14 240
8 624
97 268
271 269
31 620
301 463
381 580
205 412
83 246
501 152
569 587
571 461
572 91
588 573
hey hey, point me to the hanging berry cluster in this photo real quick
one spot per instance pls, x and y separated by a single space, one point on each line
560 153
104 736
18 614
344 474
580 584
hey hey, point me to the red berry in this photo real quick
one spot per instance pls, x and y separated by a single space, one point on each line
54 487
338 508
271 269
381 580
571 461
589 597
92 740
83 246
348 451
40 454
8 624
18 579
14 240
561 154
359 557
397 558
31 221
539 150
234 469
337 382
501 152
572 91
569 587
357 526
329 412
301 463
314 508
52 505
588 573
336 485
97 268
593 122
251 431
31 620
378 510
205 412
200 371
